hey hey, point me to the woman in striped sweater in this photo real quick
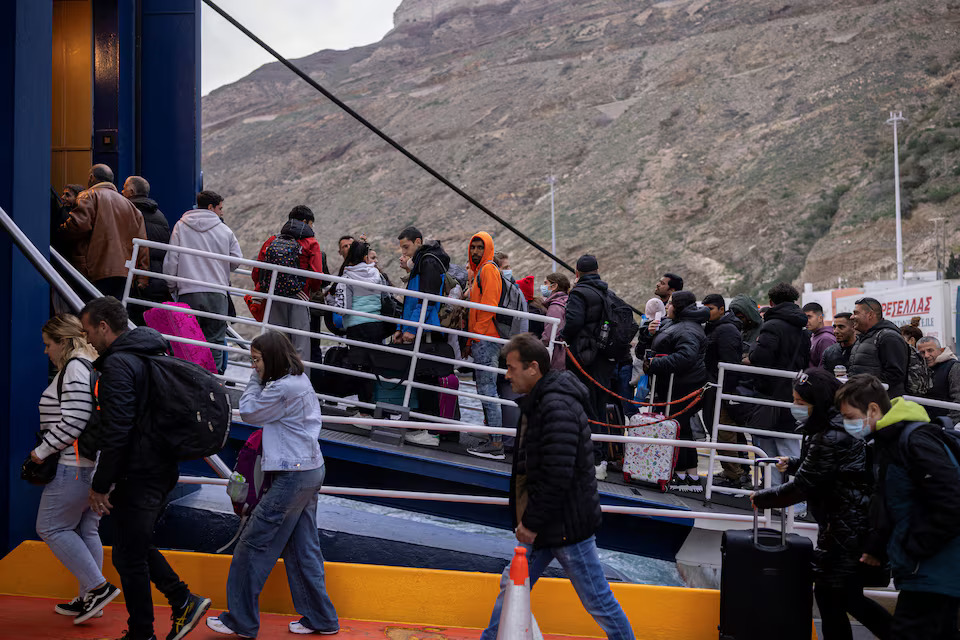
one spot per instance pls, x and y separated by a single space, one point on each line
64 520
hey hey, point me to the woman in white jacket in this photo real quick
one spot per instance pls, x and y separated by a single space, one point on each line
64 520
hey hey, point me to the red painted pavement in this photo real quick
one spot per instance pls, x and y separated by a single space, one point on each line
34 619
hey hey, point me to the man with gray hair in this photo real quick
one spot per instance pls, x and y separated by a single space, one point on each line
946 376
137 190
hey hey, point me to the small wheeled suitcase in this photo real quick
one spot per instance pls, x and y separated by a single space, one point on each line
650 463
766 581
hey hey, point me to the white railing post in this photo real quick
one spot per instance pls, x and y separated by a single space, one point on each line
668 406
715 431
269 304
408 391
553 339
130 269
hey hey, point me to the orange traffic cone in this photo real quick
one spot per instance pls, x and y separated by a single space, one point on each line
516 620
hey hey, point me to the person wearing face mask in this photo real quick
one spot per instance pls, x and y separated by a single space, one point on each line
832 474
915 511
555 290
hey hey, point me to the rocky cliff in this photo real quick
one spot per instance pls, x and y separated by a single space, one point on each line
736 143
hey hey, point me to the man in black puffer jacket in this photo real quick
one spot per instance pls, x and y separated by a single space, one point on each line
782 344
581 330
133 475
137 190
553 490
876 351
679 350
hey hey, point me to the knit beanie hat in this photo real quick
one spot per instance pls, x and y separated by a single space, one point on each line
587 263
526 287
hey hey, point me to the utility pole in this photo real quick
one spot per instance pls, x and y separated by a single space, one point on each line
553 223
939 231
895 117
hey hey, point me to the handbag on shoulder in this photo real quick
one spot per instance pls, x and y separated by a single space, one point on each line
42 473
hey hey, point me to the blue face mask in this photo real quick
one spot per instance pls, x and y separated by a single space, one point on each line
857 428
800 412
545 291
508 274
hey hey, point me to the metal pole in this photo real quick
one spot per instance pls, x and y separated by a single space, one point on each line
896 117
553 223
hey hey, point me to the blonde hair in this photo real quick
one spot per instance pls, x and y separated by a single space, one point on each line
66 329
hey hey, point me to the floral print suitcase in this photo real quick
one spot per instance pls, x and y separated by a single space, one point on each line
650 463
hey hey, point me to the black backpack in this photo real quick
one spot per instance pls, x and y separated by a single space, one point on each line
88 442
918 380
188 410
623 327
284 251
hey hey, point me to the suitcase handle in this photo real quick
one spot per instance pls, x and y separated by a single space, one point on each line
756 513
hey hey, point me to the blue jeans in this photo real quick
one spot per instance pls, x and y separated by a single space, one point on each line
623 388
488 353
68 526
283 524
582 565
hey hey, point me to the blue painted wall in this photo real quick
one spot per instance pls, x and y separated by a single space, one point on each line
170 102
160 73
25 112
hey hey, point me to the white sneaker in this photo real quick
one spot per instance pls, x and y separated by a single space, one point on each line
601 470
423 438
297 627
215 624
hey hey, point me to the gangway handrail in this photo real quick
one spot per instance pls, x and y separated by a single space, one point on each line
270 296
316 275
39 262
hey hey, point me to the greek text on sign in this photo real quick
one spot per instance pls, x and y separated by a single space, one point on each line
907 307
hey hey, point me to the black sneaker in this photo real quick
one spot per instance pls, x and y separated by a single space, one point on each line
95 601
488 449
129 636
677 483
185 618
693 484
72 608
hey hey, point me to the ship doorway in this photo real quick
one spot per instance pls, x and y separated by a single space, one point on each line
71 144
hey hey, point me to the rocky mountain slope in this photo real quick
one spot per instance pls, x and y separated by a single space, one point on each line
736 143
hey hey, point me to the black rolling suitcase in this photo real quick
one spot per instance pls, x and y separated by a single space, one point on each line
766 582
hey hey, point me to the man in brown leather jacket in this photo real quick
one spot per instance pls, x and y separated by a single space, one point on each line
102 227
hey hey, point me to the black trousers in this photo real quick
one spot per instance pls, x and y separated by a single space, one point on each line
686 457
922 615
112 286
137 504
836 602
596 407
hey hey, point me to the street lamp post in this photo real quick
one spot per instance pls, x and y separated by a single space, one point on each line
895 117
553 223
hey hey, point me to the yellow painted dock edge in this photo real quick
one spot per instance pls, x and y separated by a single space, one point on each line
397 594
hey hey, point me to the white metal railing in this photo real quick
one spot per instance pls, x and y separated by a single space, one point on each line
420 325
493 500
718 426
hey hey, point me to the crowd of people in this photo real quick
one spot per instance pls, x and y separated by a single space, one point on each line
878 472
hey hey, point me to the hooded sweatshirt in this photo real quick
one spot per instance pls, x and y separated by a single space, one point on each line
946 385
783 344
821 340
359 298
427 275
746 306
487 288
311 257
204 230
915 516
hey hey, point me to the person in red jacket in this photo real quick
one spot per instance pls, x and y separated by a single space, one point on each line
299 226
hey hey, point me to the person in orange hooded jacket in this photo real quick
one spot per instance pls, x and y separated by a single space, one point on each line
487 288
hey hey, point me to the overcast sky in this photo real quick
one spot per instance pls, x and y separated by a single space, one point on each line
295 28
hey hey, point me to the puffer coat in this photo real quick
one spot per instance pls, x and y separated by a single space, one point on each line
681 349
833 476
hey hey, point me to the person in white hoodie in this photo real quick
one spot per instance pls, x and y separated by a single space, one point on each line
359 266
203 228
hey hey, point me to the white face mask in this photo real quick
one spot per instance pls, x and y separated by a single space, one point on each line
858 428
545 290
800 412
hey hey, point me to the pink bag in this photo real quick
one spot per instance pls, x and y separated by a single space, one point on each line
448 401
182 325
